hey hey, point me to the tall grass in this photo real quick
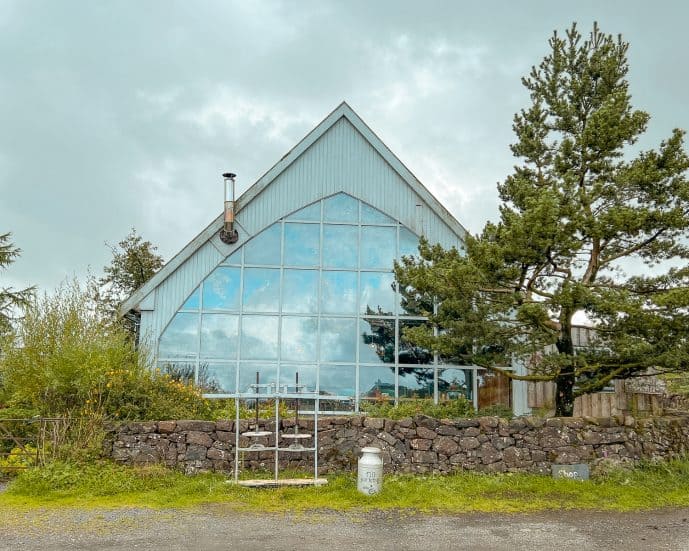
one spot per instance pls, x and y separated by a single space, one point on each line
108 485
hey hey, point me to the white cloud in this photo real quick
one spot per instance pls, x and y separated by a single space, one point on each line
226 110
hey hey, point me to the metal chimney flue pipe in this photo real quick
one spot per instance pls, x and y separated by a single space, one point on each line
228 233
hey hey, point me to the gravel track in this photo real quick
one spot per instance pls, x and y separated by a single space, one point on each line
218 527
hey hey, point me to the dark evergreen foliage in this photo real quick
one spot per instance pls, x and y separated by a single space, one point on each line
579 209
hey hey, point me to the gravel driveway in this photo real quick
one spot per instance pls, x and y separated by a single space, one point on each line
221 528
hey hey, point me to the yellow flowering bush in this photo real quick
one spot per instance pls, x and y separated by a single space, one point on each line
66 361
18 458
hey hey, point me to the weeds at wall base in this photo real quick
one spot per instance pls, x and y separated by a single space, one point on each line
104 484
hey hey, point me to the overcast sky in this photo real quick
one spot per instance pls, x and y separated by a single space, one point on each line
123 114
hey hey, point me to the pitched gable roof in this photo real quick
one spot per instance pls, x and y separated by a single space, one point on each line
342 111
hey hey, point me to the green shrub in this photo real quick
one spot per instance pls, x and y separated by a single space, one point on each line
496 410
460 407
67 361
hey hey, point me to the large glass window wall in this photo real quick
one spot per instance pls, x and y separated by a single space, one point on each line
313 293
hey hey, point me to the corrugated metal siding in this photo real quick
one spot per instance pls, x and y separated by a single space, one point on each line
172 293
342 160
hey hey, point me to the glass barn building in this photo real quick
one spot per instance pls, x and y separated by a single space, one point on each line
308 287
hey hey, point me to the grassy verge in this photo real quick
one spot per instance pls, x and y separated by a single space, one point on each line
107 485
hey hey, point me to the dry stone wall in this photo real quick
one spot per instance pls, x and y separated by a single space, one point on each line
418 445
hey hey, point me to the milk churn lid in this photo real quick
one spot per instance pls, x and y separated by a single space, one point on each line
371 450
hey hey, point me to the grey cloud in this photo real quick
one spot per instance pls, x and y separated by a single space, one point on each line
120 114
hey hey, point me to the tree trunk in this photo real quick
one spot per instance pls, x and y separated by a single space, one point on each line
564 395
564 382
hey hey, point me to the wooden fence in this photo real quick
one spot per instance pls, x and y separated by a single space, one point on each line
627 397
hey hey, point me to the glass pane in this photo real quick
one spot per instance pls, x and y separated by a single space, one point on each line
340 246
181 338
453 383
409 353
267 374
261 290
192 303
338 293
377 383
298 339
259 338
235 259
377 341
377 294
493 389
341 208
369 215
219 336
300 291
378 247
184 372
416 382
218 378
264 248
312 213
338 340
337 380
302 244
338 405
307 376
221 289
409 243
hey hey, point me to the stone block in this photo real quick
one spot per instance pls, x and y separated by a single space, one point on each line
356 421
464 423
195 452
502 442
420 456
424 432
177 438
388 438
145 455
420 444
447 430
516 424
445 445
199 438
516 457
216 454
374 423
469 443
535 422
166 427
143 427
426 422
192 425
496 467
489 423
457 459
489 454
224 425
405 422
225 436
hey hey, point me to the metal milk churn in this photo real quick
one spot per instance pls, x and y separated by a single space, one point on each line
370 477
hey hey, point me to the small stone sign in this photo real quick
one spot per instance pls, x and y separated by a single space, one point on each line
578 471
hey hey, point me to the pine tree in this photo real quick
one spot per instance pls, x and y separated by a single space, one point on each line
11 301
579 209
134 262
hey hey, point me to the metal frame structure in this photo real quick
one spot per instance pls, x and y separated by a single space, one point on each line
277 393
